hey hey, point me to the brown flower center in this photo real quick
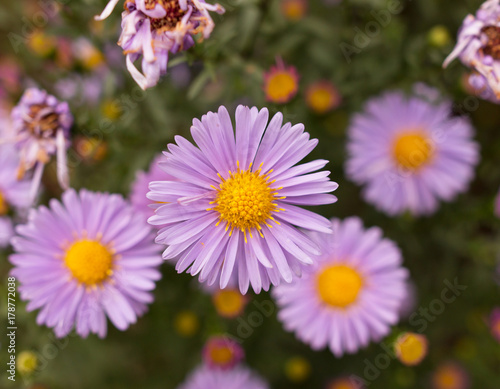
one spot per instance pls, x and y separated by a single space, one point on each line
171 19
492 47
42 121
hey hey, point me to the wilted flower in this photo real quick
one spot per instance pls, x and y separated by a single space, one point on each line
151 29
478 44
41 128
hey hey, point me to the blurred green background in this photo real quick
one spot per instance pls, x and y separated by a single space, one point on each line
119 129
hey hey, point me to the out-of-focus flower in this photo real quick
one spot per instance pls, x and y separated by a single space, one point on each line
41 43
64 54
80 90
41 128
297 369
345 383
90 149
229 302
87 54
111 109
26 362
281 83
411 348
238 378
495 323
151 29
450 375
410 153
439 36
186 323
478 85
10 75
221 352
478 44
322 97
85 258
351 296
294 9
6 231
233 210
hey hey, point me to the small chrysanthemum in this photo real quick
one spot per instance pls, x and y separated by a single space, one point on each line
411 348
281 83
478 45
297 369
27 362
85 258
351 296
450 375
410 153
41 128
294 9
151 29
495 323
234 210
322 97
237 378
223 353
14 193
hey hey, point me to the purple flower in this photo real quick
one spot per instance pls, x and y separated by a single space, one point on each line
494 322
478 44
153 28
238 378
480 87
140 186
410 153
351 296
41 128
85 258
6 231
221 352
237 201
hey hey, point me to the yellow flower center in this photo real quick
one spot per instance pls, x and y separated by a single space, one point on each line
294 9
447 378
27 362
89 261
229 302
411 348
281 86
221 355
342 383
339 285
297 369
412 150
4 207
320 99
186 323
245 200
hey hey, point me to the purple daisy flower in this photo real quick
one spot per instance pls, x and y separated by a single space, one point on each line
41 128
237 201
6 231
237 378
478 44
152 29
351 296
410 153
221 352
85 258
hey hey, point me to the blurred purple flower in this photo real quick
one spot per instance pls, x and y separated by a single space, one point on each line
85 258
238 378
222 353
237 203
353 293
41 129
152 29
410 153
478 44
